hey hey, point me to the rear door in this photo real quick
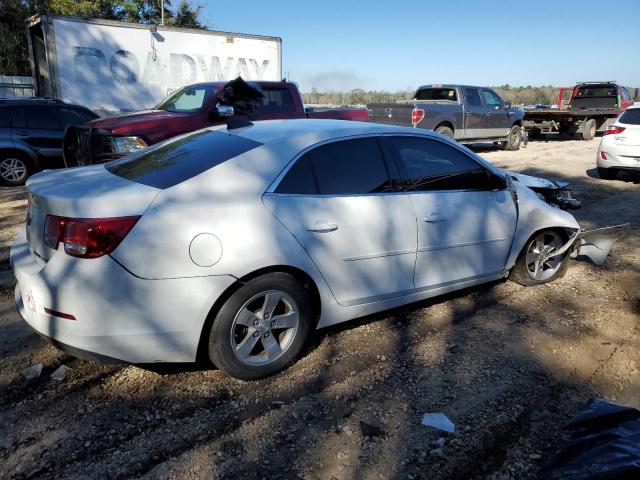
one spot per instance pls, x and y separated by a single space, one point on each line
39 127
474 114
497 120
466 218
338 202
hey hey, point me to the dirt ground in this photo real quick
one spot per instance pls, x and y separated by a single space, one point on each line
507 364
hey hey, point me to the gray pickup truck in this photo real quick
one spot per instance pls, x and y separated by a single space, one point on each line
465 113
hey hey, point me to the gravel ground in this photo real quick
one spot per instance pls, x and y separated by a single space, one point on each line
507 364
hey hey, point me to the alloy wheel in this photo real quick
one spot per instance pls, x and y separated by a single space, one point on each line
264 327
13 170
541 264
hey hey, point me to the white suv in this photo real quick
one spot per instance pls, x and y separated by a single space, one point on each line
620 145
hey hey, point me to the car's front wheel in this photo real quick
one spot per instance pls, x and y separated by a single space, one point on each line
261 328
537 263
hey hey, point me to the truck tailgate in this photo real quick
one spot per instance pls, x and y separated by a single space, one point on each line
391 113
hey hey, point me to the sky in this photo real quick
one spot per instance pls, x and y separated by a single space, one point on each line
342 45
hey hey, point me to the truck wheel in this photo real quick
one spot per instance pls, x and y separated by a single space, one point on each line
607 173
589 130
444 130
514 139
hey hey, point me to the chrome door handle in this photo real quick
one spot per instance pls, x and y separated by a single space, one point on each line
322 227
434 219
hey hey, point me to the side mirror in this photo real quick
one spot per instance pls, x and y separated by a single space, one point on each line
221 111
507 104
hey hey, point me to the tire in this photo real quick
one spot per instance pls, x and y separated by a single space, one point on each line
589 130
243 338
607 173
514 139
14 169
444 130
526 270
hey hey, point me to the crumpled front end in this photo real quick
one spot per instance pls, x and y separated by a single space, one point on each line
556 193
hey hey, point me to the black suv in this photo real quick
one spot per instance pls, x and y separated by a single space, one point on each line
31 133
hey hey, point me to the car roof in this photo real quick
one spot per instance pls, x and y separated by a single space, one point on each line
304 132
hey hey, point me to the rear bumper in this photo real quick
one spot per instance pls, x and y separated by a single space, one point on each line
117 315
619 157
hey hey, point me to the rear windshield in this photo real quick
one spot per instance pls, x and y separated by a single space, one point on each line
630 117
182 159
597 91
437 94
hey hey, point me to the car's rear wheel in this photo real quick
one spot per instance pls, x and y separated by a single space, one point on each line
607 173
536 264
514 139
261 328
444 130
14 169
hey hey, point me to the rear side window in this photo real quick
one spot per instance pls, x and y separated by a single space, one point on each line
42 117
73 116
276 100
434 165
630 116
437 94
182 159
350 167
472 97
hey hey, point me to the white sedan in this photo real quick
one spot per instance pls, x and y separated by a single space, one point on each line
233 245
620 145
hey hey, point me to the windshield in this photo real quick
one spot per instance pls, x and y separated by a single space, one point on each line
188 99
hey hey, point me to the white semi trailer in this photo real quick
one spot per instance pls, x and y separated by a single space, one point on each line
112 66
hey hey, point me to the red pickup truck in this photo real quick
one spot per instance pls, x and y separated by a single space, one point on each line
190 108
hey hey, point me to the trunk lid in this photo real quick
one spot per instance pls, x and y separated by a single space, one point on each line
88 192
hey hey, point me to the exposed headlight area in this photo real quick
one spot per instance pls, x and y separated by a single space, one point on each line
124 145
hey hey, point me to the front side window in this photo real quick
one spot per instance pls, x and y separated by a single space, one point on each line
43 117
491 99
188 99
433 165
350 167
472 97
625 94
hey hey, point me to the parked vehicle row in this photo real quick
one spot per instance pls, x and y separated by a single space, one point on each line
465 113
235 243
31 132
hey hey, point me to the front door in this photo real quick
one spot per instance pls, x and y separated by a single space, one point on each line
466 218
339 204
497 120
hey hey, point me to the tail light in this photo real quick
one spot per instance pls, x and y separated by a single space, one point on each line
613 130
417 114
86 237
603 155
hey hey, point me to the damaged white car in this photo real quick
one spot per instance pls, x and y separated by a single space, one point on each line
234 244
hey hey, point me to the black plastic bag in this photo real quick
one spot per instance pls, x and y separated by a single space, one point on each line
600 443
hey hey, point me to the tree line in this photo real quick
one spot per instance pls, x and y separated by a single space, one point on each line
14 55
516 95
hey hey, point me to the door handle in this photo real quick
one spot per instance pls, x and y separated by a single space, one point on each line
23 133
469 113
435 218
322 227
